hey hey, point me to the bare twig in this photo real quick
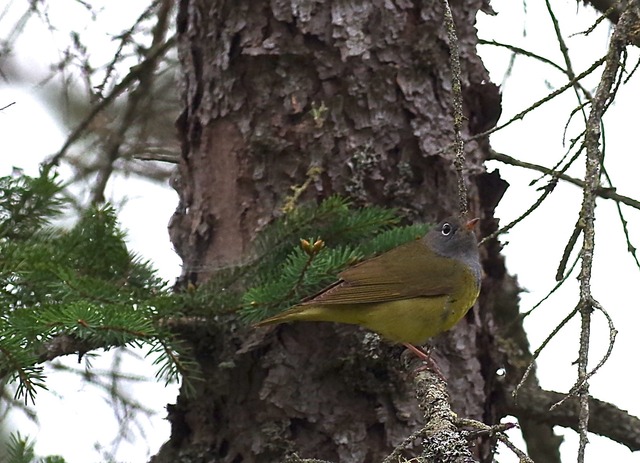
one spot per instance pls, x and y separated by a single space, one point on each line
125 38
630 247
458 115
523 52
136 97
573 239
157 155
554 289
548 189
607 193
603 95
535 105
124 84
396 455
295 458
523 457
610 9
498 431
612 339
548 339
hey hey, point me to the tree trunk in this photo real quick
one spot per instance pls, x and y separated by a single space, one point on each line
360 91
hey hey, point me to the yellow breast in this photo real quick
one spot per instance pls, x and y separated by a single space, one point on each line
407 320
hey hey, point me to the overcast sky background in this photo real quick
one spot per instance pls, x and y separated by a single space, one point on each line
73 415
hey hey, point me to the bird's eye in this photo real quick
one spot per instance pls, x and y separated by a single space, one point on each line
446 229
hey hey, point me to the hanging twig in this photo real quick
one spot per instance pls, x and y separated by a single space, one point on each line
458 115
547 340
613 332
573 239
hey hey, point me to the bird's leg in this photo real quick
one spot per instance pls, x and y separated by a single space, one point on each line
429 363
419 352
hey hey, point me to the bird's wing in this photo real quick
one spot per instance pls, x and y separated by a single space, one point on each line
410 270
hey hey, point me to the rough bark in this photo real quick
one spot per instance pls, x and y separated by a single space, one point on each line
362 91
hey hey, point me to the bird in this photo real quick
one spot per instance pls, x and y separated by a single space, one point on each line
407 294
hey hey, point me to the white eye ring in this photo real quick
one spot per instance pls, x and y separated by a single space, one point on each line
447 229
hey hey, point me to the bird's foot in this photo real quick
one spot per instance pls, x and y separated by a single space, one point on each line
429 363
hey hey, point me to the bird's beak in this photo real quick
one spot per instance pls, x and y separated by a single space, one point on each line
471 223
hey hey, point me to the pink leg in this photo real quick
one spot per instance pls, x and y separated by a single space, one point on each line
426 358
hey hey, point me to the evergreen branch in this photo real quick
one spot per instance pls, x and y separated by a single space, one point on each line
171 369
66 292
312 249
20 450
73 291
28 203
173 365
29 377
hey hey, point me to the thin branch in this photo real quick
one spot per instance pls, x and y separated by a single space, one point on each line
572 144
613 332
535 105
610 9
522 51
124 84
554 289
630 247
548 339
548 189
603 95
156 155
458 115
530 54
570 73
136 97
498 431
396 455
607 193
523 457
567 58
125 38
295 458
7 106
573 239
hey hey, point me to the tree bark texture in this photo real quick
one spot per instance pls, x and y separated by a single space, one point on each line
360 91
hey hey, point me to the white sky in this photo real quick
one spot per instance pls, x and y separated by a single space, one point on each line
533 250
